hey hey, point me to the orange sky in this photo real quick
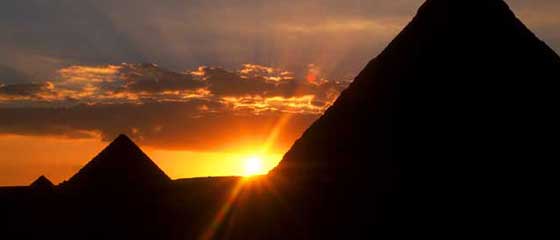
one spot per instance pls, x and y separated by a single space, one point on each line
24 158
203 122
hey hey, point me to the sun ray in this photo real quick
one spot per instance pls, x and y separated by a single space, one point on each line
220 217
252 165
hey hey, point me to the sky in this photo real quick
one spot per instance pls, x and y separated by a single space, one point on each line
201 86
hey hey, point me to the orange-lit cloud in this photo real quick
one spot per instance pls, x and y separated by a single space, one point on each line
206 108
260 87
258 104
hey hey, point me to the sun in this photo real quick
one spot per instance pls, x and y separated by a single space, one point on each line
253 166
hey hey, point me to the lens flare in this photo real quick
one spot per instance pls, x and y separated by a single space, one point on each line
253 166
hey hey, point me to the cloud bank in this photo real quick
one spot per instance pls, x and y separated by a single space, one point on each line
202 109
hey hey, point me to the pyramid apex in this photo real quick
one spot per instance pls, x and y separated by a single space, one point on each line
461 5
42 182
122 136
121 140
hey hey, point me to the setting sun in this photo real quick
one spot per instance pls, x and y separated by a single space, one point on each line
253 166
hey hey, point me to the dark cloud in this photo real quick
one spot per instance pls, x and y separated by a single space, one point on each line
271 82
227 83
151 78
23 89
166 125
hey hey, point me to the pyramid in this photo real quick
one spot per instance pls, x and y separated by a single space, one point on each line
42 183
121 165
453 119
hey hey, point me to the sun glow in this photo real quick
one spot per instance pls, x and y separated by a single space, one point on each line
253 166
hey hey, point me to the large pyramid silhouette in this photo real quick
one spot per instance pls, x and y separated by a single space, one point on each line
454 119
122 166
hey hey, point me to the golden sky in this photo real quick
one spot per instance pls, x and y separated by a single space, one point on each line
208 121
27 157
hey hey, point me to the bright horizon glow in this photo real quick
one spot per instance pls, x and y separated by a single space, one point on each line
59 158
253 166
33 156
186 164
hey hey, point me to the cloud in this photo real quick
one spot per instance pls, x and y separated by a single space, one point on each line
258 104
134 83
206 108
185 125
151 78
252 87
21 94
125 83
25 90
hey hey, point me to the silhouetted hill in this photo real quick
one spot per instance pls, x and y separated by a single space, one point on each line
450 123
42 183
122 165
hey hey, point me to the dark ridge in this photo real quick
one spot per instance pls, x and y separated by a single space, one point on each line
122 164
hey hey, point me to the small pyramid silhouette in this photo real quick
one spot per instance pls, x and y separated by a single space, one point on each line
122 164
42 183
